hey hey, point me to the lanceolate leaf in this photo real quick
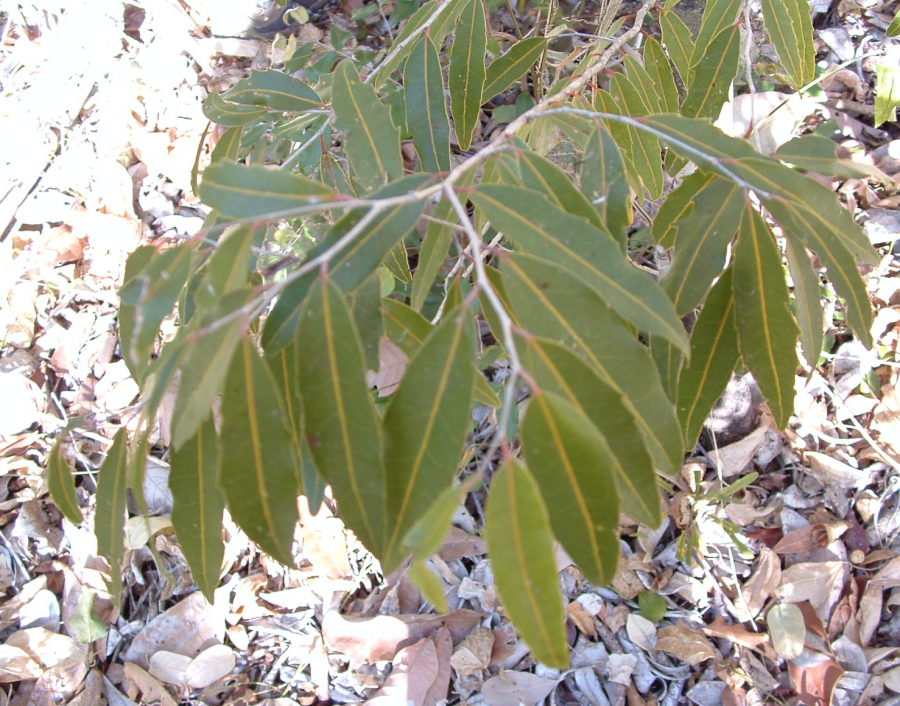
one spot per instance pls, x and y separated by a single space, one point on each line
425 424
198 506
644 84
807 301
604 182
717 16
274 90
228 266
109 525
284 366
549 302
790 29
230 114
226 149
677 38
712 75
426 109
508 68
520 542
62 485
434 250
558 369
678 206
534 222
237 191
372 142
646 152
258 468
573 465
365 306
467 72
656 64
341 424
668 361
714 354
767 333
397 261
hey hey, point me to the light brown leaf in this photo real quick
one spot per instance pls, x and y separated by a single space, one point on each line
788 630
459 545
441 684
214 663
153 692
815 684
392 363
736 634
734 458
582 619
414 671
828 469
324 544
802 539
762 584
17 664
641 632
816 582
685 643
170 667
869 613
49 648
889 575
474 653
517 689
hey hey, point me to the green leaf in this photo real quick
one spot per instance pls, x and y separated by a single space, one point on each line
807 301
228 267
365 306
85 626
467 72
641 80
712 74
678 206
274 90
429 583
818 154
228 114
668 361
790 28
767 333
701 243
605 184
258 467
573 465
228 146
341 425
717 16
508 68
549 302
532 221
397 261
656 64
285 374
520 543
62 485
677 38
372 142
652 606
434 250
198 506
714 355
425 424
561 371
237 191
645 148
426 108
109 525
887 89
332 174
893 29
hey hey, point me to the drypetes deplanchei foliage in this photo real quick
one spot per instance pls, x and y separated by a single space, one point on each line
279 325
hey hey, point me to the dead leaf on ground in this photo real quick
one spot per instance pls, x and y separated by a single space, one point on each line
151 690
641 632
324 544
829 470
815 684
582 619
420 675
474 653
734 458
820 583
685 643
517 689
392 363
460 545
736 634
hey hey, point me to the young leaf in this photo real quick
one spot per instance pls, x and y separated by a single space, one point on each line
668 361
712 74
604 182
656 64
768 332
573 465
520 543
717 16
228 114
274 90
258 467
341 424
372 142
790 29
62 485
508 68
109 524
677 38
540 227
198 506
807 301
714 354
426 109
646 151
237 191
467 72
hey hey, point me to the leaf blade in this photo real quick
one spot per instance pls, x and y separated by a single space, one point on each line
111 508
467 71
506 69
790 28
62 485
426 111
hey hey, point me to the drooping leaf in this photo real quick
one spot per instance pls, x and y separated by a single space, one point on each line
237 191
62 485
767 334
109 525
714 355
341 425
712 74
604 182
426 108
677 38
573 465
434 250
229 114
622 137
546 231
520 543
790 28
372 142
646 151
429 583
807 301
893 29
274 90
508 68
425 537
228 266
656 64
258 463
669 361
549 302
467 72
717 16
198 506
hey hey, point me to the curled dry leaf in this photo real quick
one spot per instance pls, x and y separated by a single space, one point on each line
828 469
736 634
517 689
621 667
582 619
152 691
802 539
685 643
734 458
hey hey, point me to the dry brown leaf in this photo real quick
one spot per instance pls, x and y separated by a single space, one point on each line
441 684
59 683
869 613
214 663
417 676
392 363
474 653
459 545
92 694
685 643
170 667
828 469
517 689
582 619
886 420
815 684
736 634
17 664
641 632
889 575
820 583
626 582
734 458
762 584
802 539
152 691
49 648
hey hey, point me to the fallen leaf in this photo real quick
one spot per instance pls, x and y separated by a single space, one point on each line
761 584
152 691
820 583
214 663
49 648
517 689
815 684
582 619
460 545
802 539
170 667
92 693
324 544
828 469
788 630
892 679
58 684
685 643
734 458
889 575
392 363
17 664
474 653
417 677
641 632
621 667
736 634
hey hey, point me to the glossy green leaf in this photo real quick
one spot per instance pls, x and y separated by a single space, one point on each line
646 150
426 107
229 114
712 74
807 301
549 302
701 243
520 543
237 191
226 149
669 361
714 355
767 333
887 91
433 251
656 64
789 26
109 524
679 44
372 142
605 184
467 72
198 505
429 583
258 463
893 29
274 90
540 227
508 68
341 425
573 465
62 485
718 15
